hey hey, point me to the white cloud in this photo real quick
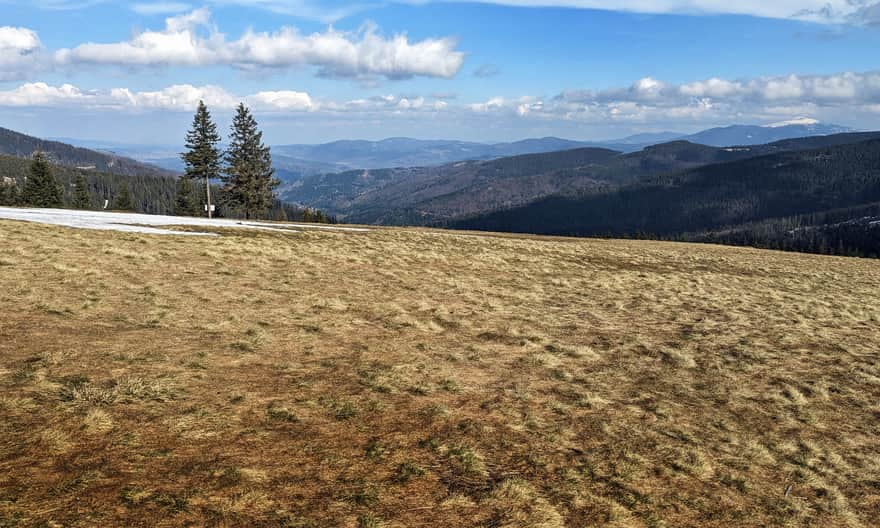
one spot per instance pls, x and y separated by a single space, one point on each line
713 87
364 53
174 98
18 40
41 94
160 8
768 99
283 100
185 98
181 97
495 103
19 52
846 97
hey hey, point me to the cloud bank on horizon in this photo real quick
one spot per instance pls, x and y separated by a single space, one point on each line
646 100
364 76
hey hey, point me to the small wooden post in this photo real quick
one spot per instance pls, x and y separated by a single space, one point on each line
208 192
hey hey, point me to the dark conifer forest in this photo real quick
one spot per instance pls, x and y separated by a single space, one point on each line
824 200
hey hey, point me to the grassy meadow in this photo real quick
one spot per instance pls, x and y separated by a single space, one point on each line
408 378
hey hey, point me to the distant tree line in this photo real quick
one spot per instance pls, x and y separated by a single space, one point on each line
246 180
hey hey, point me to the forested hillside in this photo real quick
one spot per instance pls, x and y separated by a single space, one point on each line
16 144
149 194
813 200
429 195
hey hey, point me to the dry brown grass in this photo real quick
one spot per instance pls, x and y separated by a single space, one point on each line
405 378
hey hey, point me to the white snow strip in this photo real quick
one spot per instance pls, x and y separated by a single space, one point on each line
142 223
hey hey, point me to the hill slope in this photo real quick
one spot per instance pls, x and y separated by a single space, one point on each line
152 194
427 195
16 144
714 197
421 378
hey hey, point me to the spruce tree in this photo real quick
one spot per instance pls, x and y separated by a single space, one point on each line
185 204
202 157
81 198
123 200
249 181
41 188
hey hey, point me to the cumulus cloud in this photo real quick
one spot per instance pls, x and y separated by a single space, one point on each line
41 94
650 100
19 52
495 103
185 98
847 97
189 40
174 98
284 100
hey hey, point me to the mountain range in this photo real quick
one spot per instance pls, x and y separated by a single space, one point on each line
817 191
426 195
407 152
296 161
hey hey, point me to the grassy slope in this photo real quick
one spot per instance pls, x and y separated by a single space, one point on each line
421 378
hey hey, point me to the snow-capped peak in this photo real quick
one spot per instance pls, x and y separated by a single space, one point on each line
803 121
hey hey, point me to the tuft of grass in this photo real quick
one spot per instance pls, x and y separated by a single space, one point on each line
407 471
368 520
279 413
345 410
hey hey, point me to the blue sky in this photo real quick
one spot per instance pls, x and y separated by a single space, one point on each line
502 70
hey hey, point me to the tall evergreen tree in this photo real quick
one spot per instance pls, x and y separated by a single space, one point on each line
81 198
249 179
202 157
123 200
41 188
185 203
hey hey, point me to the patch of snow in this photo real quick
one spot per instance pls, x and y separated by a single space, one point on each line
143 223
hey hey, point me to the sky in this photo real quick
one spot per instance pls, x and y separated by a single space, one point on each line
499 70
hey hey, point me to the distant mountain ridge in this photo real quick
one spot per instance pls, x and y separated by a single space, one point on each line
758 135
21 145
408 152
298 160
